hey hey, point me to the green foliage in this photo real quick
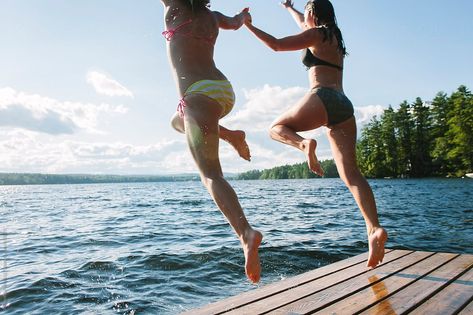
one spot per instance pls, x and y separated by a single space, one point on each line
440 111
420 139
371 148
421 161
295 171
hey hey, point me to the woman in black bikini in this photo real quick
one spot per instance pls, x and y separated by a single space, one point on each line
325 104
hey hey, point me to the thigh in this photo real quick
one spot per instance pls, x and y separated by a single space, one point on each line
308 114
342 138
201 121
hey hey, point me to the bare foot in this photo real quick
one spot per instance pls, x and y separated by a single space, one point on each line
237 139
309 146
376 240
250 245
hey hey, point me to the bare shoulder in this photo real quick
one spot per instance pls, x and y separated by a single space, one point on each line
225 22
218 16
316 34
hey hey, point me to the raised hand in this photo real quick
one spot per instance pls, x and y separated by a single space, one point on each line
287 3
245 13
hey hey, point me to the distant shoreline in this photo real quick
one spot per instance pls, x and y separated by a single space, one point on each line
65 179
20 179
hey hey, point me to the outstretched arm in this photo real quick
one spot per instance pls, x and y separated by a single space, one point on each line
296 42
231 23
296 15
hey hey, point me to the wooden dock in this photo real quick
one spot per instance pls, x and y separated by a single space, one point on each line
411 282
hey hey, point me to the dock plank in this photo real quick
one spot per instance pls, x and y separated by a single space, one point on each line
281 286
317 301
451 299
411 282
382 287
418 292
276 301
468 310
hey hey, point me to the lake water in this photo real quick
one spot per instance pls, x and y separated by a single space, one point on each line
163 248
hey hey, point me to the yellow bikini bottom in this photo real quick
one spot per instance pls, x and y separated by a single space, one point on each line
218 90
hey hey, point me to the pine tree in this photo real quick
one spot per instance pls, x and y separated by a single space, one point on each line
421 163
460 133
404 135
441 111
373 151
390 143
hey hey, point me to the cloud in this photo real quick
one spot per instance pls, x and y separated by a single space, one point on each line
261 106
43 114
364 114
164 157
26 151
32 149
48 121
106 86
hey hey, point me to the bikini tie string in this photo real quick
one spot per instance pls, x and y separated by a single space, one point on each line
180 107
168 34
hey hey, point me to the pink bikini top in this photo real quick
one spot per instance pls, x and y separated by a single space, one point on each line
169 34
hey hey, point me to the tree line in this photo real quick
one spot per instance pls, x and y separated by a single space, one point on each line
420 139
300 170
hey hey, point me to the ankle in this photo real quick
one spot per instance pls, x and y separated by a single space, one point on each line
372 229
246 235
304 144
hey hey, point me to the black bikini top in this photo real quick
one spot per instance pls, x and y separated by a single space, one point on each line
309 60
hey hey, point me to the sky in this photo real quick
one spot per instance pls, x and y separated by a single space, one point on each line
85 86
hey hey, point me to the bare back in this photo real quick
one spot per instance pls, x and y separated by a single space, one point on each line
323 76
191 48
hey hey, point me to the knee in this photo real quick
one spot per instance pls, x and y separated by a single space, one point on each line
274 130
352 177
210 179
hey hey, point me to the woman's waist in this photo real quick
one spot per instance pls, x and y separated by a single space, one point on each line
329 79
331 86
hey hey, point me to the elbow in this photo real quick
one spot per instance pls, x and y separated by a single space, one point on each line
275 46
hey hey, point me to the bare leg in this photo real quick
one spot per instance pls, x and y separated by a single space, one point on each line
342 141
236 138
202 132
308 114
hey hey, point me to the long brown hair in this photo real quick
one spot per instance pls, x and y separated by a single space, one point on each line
199 4
324 17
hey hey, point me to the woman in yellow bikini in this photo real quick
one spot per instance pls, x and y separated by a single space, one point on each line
325 104
206 96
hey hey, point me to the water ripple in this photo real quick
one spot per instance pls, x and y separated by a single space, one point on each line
162 248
